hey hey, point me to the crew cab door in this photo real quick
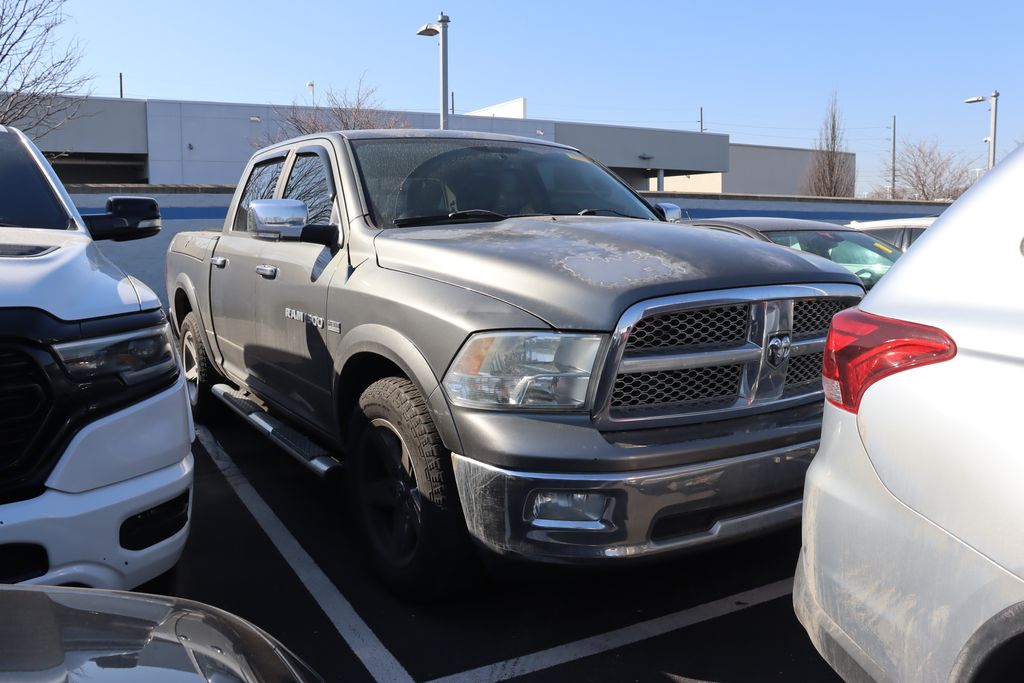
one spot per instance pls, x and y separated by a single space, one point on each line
291 355
233 273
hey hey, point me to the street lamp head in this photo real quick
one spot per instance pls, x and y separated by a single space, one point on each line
973 100
429 30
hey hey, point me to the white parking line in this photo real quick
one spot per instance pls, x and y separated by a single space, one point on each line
545 659
381 664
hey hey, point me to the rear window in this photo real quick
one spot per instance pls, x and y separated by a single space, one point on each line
27 200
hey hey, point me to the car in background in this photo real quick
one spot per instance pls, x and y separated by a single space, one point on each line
95 430
912 566
81 634
863 255
901 232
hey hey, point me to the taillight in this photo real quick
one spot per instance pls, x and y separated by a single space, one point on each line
863 348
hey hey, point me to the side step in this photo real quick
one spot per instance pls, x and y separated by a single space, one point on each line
297 444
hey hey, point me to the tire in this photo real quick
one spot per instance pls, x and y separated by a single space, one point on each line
200 375
402 487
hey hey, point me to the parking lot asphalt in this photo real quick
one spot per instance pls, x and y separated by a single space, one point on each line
274 544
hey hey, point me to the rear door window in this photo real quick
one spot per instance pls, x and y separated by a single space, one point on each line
913 234
890 235
261 185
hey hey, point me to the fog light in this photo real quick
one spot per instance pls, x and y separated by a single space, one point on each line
571 510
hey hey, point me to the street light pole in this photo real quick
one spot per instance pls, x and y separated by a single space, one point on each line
440 27
994 99
892 186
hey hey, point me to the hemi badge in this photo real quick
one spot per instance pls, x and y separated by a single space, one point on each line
334 326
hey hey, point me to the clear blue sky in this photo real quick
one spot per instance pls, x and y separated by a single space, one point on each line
763 71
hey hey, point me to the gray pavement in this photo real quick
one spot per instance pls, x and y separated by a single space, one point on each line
275 545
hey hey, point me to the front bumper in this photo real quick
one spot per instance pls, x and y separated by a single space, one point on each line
137 460
81 532
651 512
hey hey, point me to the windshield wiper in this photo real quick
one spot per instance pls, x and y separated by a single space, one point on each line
594 212
479 214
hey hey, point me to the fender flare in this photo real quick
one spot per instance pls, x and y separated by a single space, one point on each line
394 346
184 283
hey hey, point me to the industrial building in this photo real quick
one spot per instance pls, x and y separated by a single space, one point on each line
133 141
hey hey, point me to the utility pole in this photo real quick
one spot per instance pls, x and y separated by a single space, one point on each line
120 80
453 102
701 119
892 180
994 98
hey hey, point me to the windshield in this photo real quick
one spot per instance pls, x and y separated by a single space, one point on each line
26 199
865 256
419 181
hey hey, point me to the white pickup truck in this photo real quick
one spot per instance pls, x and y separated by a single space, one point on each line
95 431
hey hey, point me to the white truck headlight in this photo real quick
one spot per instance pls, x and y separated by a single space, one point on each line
133 356
534 370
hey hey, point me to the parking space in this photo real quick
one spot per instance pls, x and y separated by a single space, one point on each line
273 544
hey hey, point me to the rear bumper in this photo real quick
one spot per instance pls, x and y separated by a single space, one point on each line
832 643
883 592
646 513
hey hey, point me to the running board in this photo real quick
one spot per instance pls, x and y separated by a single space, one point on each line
294 442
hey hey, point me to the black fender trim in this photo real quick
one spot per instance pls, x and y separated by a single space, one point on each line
987 640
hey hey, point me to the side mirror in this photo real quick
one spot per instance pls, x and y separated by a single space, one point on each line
284 220
127 218
669 212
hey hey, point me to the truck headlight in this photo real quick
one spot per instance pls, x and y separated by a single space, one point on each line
135 357
538 370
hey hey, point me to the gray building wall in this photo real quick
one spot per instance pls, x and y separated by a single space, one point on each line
755 169
210 142
676 151
104 126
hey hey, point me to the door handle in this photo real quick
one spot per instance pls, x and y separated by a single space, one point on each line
218 261
266 270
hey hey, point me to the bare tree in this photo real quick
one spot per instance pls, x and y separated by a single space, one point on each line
925 172
40 88
831 173
357 111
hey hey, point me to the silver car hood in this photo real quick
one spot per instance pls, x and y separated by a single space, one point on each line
583 272
69 635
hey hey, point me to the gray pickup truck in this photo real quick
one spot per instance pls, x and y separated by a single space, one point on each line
501 341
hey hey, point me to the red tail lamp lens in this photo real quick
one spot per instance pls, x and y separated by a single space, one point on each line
863 348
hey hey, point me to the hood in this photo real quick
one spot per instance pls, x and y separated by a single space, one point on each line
63 273
80 634
584 272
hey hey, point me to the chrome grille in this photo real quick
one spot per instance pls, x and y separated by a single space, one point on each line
23 404
703 356
804 369
708 327
811 317
684 388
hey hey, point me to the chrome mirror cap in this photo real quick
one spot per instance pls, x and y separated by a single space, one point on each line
276 218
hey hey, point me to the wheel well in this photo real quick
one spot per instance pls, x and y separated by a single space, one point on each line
182 307
1005 663
360 371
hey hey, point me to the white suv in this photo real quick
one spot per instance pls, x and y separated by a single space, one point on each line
95 430
912 566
